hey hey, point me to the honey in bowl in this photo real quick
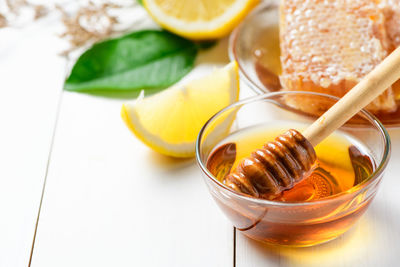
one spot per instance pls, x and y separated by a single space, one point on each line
342 163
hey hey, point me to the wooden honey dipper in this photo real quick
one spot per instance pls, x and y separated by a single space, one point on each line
280 164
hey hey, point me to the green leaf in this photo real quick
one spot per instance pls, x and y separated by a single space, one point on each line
147 59
140 2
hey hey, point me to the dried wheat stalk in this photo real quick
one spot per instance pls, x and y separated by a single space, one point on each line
91 23
88 24
13 7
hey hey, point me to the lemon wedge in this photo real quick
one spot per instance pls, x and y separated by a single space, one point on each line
170 121
199 20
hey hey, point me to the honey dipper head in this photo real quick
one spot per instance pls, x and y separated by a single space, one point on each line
276 167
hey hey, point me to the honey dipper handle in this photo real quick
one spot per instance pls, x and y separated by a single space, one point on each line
370 87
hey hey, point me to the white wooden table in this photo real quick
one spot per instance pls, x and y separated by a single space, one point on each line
110 201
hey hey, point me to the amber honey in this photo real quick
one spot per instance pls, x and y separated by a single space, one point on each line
342 163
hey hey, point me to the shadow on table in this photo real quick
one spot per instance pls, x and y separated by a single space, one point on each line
217 54
395 138
312 256
169 163
366 242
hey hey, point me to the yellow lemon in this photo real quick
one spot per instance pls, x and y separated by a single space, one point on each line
169 122
199 20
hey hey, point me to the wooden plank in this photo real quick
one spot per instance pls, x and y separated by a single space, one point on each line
110 201
31 77
373 241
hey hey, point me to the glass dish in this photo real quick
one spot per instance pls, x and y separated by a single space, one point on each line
291 223
254 44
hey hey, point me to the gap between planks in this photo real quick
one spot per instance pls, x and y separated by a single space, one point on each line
59 103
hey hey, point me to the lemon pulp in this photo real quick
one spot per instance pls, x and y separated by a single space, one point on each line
169 122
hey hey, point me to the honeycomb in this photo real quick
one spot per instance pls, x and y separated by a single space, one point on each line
328 46
391 11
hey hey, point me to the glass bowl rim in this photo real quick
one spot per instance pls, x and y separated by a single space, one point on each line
353 190
232 43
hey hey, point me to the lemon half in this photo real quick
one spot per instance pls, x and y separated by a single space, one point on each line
194 19
170 121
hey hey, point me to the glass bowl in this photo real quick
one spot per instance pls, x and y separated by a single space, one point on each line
254 44
291 223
